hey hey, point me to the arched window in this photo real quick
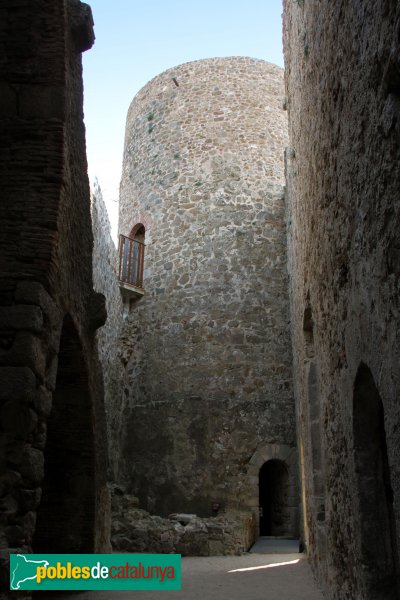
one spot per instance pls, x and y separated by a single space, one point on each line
131 257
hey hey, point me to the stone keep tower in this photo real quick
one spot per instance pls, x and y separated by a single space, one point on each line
208 393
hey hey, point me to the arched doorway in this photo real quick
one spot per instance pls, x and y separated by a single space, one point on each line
273 499
374 507
66 516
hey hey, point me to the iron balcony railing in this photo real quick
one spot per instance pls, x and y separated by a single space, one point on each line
131 261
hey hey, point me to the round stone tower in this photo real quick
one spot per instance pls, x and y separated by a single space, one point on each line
208 393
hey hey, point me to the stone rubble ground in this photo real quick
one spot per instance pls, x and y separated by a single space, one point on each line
136 530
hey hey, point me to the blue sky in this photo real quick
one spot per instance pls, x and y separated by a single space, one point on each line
138 39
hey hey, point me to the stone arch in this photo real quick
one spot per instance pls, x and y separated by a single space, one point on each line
139 218
66 515
138 232
374 494
288 456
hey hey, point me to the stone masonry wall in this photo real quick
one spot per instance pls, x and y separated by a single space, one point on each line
48 310
105 281
208 359
343 86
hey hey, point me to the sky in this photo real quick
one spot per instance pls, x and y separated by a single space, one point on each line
137 39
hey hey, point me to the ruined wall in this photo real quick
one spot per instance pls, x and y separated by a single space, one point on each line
135 530
208 373
105 281
342 78
52 458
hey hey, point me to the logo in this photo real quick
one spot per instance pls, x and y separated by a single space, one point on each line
95 572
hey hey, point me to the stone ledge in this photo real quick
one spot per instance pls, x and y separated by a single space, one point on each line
130 292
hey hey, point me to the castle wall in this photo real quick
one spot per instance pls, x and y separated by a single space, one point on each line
51 414
208 366
109 337
342 78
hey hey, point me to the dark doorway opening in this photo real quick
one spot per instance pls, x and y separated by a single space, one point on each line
66 516
375 494
273 495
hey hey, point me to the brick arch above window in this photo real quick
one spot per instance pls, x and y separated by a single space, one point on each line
138 232
140 218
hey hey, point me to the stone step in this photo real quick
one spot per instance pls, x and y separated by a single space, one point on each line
275 545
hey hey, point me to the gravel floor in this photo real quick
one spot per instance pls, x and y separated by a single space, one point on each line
246 577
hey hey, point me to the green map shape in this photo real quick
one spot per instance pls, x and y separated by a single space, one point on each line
25 570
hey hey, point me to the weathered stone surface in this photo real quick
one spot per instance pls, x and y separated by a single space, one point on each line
343 181
51 374
17 383
8 481
43 401
97 311
82 27
135 530
17 418
39 437
8 506
32 292
182 518
206 352
38 102
32 468
30 499
21 317
12 450
8 100
27 349
15 534
46 281
110 346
